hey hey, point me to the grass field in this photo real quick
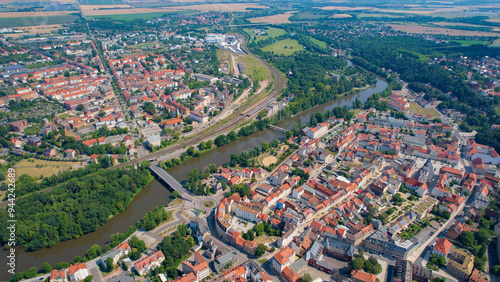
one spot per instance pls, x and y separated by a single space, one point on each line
470 42
320 43
49 167
419 110
271 33
254 69
495 43
284 47
37 21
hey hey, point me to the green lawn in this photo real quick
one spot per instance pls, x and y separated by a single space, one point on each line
320 43
470 42
423 111
284 47
272 32
35 21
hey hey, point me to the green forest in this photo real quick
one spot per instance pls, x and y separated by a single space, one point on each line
75 208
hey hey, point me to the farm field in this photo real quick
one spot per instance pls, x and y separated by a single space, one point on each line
284 47
34 21
37 29
49 167
35 14
419 110
341 16
145 16
132 11
280 18
225 7
440 30
495 43
254 69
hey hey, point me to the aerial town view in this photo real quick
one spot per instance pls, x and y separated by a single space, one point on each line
250 140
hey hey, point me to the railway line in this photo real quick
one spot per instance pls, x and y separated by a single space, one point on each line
245 113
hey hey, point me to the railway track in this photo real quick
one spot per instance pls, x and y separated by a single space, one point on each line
241 115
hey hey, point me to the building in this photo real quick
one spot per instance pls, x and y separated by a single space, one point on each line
283 258
383 243
199 267
361 276
190 277
58 276
154 141
120 251
460 264
204 77
77 272
246 213
442 247
148 263
403 271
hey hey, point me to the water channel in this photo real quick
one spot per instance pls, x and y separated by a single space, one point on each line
156 194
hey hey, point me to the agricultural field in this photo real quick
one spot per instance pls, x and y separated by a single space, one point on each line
145 16
418 29
271 33
280 18
223 7
320 43
38 168
495 43
284 47
132 11
341 16
37 29
254 69
141 45
41 15
419 110
40 21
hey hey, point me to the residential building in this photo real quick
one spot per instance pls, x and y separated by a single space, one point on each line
148 263
283 258
77 272
199 267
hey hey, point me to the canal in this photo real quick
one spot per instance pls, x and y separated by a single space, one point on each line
156 194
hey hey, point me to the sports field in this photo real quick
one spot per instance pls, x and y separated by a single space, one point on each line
284 47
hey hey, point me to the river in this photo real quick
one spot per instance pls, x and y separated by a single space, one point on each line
156 194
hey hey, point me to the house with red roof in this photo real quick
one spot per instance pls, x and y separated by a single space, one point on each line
148 263
442 247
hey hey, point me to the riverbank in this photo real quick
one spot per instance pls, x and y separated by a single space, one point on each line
156 194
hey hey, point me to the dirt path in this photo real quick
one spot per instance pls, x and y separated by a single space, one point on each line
236 71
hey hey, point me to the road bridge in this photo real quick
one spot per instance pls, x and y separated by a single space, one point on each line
170 181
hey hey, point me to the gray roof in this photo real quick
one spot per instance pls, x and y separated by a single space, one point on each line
298 265
124 277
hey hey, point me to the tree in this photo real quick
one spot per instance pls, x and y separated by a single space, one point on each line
109 264
135 255
289 134
357 263
46 267
136 243
265 146
260 250
102 113
80 107
306 278
176 194
94 251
